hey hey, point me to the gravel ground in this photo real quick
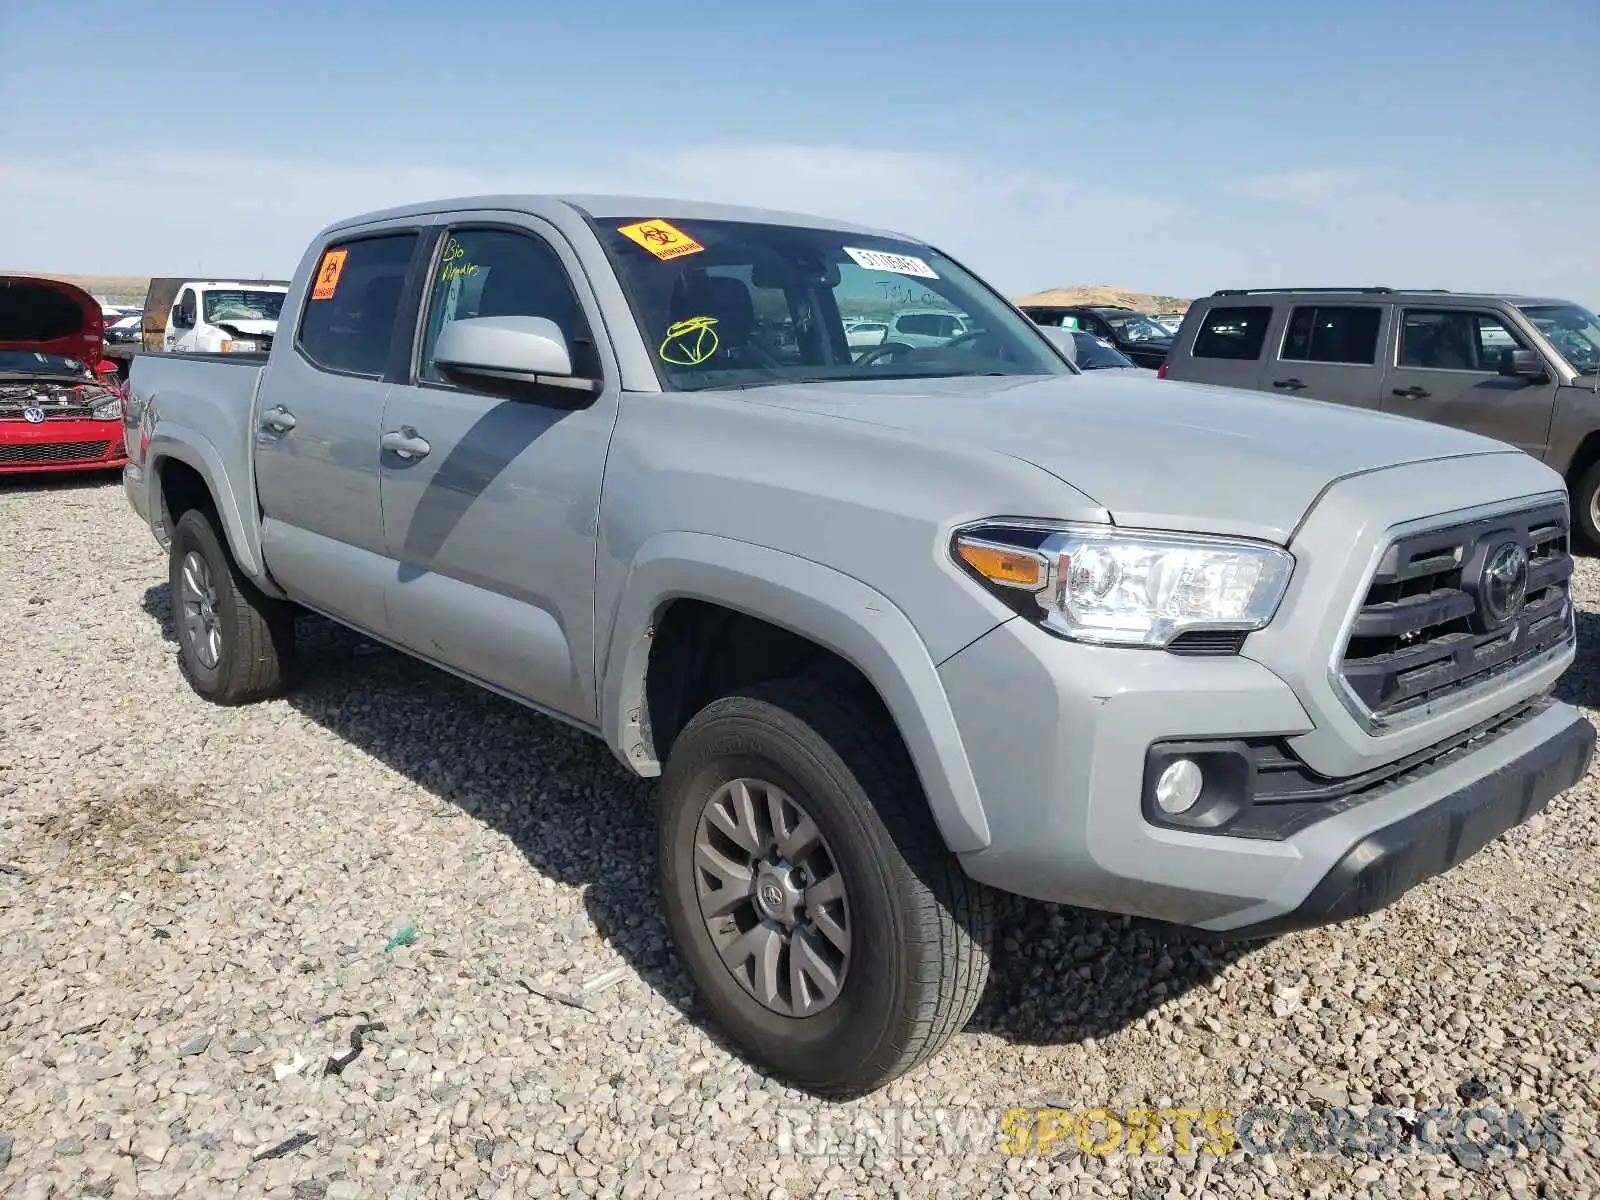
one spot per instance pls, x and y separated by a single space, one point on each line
206 984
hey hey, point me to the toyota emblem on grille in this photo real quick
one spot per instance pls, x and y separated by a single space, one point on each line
1504 583
34 416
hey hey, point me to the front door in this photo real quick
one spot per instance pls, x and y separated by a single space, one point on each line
1330 352
490 515
1446 369
318 422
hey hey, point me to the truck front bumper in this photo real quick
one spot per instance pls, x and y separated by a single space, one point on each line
1058 734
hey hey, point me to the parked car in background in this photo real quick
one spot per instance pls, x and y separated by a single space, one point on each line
926 327
1090 352
1140 337
1169 321
893 630
60 408
859 335
1517 368
125 331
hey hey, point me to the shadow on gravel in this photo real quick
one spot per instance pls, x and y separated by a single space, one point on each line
1581 684
1060 974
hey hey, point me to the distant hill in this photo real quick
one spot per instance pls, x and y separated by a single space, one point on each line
1102 294
113 289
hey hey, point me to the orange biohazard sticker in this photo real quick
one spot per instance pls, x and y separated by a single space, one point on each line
661 239
328 272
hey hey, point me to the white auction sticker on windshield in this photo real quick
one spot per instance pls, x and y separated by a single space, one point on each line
900 264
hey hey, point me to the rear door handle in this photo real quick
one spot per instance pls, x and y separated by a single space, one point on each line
279 418
1412 393
1292 385
405 443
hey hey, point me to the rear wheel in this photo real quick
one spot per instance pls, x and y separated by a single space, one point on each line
234 641
826 925
1586 508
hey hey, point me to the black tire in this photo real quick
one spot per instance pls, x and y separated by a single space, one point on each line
923 927
1583 496
256 631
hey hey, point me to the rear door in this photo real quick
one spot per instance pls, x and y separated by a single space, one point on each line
1224 345
491 530
1330 352
1444 366
318 425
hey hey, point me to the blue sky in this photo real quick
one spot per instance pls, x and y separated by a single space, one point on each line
1168 147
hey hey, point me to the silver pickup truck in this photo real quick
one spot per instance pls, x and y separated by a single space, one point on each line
897 626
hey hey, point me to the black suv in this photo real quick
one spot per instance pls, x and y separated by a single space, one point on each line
1141 338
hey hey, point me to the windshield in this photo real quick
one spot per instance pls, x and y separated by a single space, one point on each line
1095 353
241 305
31 362
1136 327
726 304
1572 329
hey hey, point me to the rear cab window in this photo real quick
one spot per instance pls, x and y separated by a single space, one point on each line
1235 332
347 325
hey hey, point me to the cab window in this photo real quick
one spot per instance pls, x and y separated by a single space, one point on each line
503 273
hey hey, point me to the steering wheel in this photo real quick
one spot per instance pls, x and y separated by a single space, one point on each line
883 350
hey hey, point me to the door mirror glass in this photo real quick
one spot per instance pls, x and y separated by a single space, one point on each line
1522 364
515 348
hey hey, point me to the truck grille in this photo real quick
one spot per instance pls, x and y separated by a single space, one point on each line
1428 627
50 452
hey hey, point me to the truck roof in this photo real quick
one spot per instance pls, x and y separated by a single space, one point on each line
606 207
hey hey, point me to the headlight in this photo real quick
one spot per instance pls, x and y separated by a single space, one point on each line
108 408
1128 587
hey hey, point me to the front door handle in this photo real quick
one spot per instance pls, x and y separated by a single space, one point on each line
1291 385
1412 393
279 418
405 443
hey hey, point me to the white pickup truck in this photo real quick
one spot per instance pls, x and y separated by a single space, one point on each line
221 317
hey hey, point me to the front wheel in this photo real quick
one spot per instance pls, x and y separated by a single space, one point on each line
818 911
234 641
1585 499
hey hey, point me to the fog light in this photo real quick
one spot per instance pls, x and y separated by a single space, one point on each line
1179 786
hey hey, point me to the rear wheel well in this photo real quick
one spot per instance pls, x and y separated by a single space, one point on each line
182 488
703 651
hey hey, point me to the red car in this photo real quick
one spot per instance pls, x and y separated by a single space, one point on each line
60 403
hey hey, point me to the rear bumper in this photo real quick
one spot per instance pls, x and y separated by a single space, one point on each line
1388 862
61 446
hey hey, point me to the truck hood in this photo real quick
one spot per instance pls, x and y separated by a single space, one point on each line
1154 453
48 316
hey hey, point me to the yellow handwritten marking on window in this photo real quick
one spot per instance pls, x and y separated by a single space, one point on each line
662 239
689 343
457 271
328 273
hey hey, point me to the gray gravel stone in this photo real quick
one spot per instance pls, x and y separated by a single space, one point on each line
189 868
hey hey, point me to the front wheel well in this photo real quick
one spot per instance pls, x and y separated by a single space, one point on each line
702 651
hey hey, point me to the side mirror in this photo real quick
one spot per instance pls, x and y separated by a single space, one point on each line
1522 364
516 349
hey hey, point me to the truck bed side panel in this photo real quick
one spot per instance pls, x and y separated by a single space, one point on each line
200 410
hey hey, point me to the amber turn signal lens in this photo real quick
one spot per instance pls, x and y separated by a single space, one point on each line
1014 568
